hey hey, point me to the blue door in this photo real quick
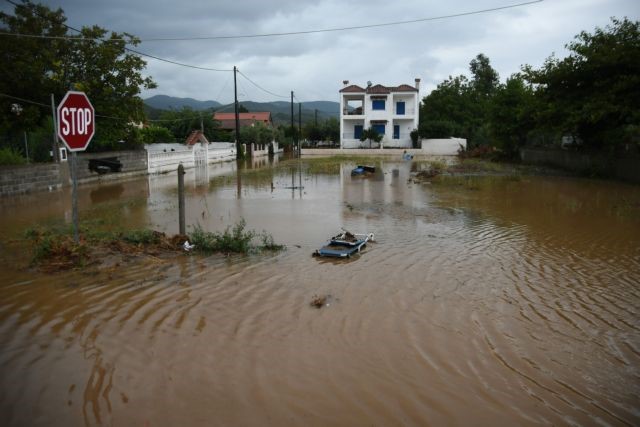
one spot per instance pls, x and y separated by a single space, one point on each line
357 131
396 131
379 129
400 108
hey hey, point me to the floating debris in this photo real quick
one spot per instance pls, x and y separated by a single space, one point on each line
319 301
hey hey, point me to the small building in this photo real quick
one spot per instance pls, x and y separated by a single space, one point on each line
228 120
196 137
391 110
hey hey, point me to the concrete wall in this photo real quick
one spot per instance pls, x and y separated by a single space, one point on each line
133 163
29 178
623 168
443 147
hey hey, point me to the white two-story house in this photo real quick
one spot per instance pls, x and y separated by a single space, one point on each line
391 110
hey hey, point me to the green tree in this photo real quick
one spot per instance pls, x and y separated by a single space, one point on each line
331 129
182 122
511 115
593 93
459 106
156 134
258 133
370 134
94 61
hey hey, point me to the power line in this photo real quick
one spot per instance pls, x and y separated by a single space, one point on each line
292 33
260 87
106 41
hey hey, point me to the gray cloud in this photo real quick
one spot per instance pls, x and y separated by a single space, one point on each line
314 65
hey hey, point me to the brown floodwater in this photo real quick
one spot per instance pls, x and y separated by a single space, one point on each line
486 300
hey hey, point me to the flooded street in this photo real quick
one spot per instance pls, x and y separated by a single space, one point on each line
486 300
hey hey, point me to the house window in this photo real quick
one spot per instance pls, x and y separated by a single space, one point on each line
379 128
400 108
357 131
396 131
377 104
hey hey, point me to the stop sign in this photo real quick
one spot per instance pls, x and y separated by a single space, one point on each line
76 121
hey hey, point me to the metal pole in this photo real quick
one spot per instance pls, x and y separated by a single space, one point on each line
54 149
293 137
74 196
235 95
299 127
181 221
26 146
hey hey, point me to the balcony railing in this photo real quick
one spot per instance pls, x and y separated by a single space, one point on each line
355 112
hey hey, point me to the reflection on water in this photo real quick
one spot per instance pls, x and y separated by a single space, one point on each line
514 298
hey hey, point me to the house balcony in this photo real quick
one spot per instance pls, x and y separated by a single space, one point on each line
351 113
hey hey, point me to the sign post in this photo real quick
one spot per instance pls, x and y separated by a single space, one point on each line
76 126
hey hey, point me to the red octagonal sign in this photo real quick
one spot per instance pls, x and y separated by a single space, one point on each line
76 121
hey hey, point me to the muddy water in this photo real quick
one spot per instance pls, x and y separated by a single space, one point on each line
484 301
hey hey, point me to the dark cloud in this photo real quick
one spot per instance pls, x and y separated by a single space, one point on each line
314 65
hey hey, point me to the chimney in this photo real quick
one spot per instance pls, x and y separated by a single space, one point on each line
418 84
345 83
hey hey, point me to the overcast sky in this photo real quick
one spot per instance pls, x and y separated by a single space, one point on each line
314 65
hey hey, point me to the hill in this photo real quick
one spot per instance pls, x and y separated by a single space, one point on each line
280 110
165 102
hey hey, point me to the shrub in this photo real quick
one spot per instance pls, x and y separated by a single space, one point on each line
9 156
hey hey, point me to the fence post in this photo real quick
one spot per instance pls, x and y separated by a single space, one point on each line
181 220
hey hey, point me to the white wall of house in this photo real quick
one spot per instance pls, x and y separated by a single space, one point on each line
390 117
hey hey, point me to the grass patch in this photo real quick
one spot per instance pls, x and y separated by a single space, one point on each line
54 249
234 239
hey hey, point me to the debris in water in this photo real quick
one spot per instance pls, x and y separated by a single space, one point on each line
187 247
319 301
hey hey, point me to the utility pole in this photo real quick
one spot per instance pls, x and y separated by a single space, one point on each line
299 128
316 117
54 147
235 95
293 134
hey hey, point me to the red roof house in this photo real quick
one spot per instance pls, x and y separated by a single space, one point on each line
228 120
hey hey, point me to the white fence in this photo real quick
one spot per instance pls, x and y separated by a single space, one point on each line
165 161
443 147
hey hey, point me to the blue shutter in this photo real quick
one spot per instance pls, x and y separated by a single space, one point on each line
377 104
357 131
400 108
396 131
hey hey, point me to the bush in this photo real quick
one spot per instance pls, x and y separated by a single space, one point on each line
9 156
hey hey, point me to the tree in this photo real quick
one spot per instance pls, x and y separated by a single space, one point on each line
242 109
182 122
94 61
156 134
258 133
511 115
370 134
593 93
459 106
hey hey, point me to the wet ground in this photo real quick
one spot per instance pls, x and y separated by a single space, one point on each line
486 300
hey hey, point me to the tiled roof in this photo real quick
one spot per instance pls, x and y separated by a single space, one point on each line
379 89
257 116
352 88
404 88
195 137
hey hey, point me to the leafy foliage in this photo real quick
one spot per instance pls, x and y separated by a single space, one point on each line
593 93
94 61
370 134
9 156
181 123
156 134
